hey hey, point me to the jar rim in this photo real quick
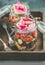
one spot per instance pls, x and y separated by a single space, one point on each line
25 31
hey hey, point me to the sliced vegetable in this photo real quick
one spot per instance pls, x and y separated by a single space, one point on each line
34 33
31 38
28 42
25 39
22 36
20 41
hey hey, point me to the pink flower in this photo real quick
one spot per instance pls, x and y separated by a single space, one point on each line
20 8
25 24
31 26
27 21
23 27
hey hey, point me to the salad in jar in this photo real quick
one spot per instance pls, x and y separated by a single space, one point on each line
25 30
24 39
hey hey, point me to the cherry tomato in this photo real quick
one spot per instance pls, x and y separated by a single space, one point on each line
28 39
31 38
22 35
12 19
25 39
34 33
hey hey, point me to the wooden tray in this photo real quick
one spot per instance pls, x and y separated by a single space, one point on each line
37 54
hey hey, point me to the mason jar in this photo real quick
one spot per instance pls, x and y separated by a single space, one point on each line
25 40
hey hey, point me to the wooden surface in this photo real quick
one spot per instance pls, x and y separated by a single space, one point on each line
3 35
37 54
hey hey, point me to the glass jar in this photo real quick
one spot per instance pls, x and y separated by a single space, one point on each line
25 41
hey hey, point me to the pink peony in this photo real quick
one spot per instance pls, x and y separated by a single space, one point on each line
25 24
20 8
23 27
27 20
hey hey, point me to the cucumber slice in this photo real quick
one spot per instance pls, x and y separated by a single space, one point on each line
28 42
20 41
